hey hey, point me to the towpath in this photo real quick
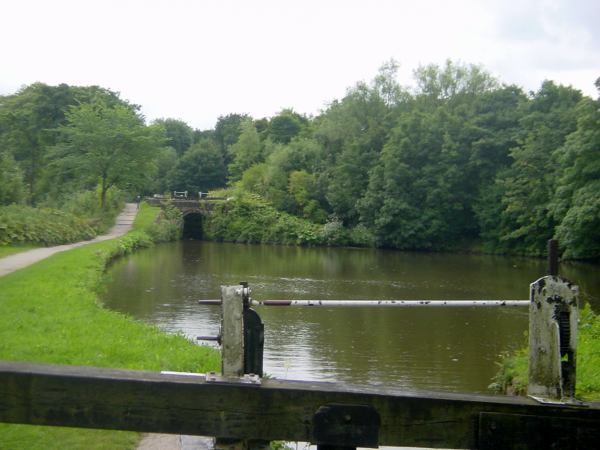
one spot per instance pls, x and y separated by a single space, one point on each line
15 262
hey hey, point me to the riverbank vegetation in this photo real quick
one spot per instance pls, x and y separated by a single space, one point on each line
247 218
49 313
69 157
78 219
458 161
512 376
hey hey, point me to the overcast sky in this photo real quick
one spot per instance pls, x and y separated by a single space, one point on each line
196 60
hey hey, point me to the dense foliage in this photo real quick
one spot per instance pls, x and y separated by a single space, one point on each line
458 161
461 161
246 218
20 224
80 218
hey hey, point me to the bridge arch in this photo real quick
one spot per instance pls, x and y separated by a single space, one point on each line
193 212
192 223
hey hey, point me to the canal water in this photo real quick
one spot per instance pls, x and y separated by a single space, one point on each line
447 349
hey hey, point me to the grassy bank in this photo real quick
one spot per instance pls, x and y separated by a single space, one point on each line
49 313
512 377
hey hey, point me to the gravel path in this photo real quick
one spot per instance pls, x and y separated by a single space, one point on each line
122 225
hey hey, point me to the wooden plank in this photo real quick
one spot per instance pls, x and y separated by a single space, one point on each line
273 410
517 431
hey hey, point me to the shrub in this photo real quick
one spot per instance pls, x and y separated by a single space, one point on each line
167 226
334 233
86 204
24 224
247 218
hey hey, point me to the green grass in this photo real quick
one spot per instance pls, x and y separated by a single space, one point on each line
57 438
145 217
512 377
7 250
49 313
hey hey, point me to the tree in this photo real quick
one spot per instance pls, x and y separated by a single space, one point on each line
165 160
452 83
179 134
28 122
108 146
200 169
245 152
286 125
11 181
576 203
302 187
423 200
27 118
227 132
352 133
526 223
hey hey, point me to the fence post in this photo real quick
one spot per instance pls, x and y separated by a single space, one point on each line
552 335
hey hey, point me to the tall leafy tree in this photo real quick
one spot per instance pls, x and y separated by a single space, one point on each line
576 203
245 152
528 185
201 168
27 119
421 192
452 83
108 146
286 125
179 134
227 133
420 183
353 133
28 123
165 160
12 189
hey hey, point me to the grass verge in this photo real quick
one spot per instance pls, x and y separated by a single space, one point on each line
49 313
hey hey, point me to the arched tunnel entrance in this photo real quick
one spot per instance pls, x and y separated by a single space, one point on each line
192 226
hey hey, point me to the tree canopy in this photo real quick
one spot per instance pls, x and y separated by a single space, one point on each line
457 161
106 145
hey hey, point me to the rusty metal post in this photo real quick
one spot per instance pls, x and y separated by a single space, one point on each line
552 339
553 257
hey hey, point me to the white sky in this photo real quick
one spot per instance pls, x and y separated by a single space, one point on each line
195 60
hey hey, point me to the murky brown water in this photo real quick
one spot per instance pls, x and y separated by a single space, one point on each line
451 349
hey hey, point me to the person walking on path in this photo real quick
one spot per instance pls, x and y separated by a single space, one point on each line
123 224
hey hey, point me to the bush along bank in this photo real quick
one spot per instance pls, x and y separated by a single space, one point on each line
248 218
512 376
78 219
49 313
24 224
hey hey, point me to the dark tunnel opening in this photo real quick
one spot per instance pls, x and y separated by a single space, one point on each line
192 226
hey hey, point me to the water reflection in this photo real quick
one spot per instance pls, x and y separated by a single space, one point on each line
448 349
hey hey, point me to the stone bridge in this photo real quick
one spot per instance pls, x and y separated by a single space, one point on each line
192 210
